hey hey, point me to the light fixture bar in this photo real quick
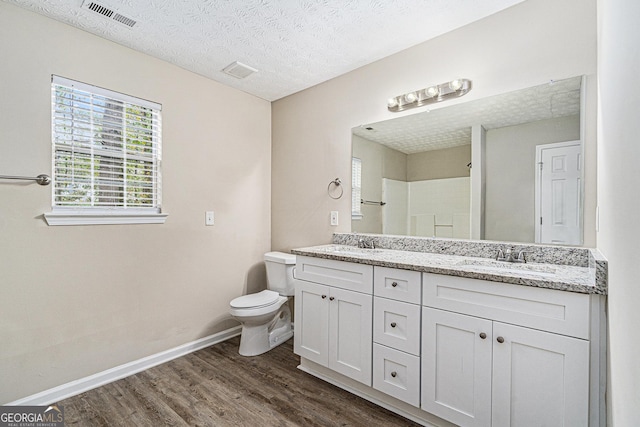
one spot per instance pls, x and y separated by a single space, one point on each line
429 95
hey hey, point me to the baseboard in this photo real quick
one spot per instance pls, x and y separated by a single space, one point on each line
81 385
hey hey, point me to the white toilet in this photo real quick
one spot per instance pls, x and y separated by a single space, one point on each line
265 318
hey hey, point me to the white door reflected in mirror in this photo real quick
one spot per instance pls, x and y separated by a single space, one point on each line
558 193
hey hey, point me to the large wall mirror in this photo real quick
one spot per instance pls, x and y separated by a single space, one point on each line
507 167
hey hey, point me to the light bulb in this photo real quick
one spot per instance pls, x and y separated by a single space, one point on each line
392 102
410 97
455 84
431 91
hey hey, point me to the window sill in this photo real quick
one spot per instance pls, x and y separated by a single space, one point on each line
101 218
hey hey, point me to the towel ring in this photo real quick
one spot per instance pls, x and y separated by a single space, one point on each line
337 183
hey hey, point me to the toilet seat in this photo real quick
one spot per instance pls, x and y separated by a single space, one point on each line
258 300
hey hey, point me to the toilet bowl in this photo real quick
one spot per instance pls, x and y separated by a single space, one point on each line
265 316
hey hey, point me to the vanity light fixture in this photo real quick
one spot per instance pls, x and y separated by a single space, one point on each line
429 95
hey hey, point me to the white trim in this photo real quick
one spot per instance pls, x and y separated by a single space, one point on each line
89 218
81 385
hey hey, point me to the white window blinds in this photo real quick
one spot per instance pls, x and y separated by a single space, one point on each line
356 188
106 148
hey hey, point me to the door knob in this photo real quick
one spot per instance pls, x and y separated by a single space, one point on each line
393 324
500 340
331 298
483 335
324 296
394 374
394 284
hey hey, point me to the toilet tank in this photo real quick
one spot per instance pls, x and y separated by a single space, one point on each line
280 272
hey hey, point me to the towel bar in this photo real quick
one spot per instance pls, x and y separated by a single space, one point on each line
40 179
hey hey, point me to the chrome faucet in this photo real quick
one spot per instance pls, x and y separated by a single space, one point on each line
367 245
504 255
509 256
521 258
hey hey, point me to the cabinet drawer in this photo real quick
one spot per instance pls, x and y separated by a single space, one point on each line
401 285
345 275
396 324
550 310
397 374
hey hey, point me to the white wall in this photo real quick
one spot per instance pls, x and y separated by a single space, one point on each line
618 190
511 171
528 44
378 162
78 300
438 164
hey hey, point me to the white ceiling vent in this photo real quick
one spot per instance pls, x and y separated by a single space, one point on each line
239 70
108 13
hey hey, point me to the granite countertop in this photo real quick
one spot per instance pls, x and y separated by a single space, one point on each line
551 276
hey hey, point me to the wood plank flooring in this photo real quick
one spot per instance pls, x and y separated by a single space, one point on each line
218 387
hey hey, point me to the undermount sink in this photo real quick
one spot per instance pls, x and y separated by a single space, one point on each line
489 266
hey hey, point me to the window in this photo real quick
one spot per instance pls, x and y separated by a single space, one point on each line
356 188
106 156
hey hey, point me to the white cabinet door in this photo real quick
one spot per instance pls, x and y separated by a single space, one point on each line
311 336
456 367
350 334
539 378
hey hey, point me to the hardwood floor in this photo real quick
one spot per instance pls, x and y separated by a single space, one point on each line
218 387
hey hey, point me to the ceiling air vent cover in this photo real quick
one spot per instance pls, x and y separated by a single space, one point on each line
108 13
239 70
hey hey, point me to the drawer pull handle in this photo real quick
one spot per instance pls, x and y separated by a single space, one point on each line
500 340
394 284
483 335
324 296
331 298
394 374
393 324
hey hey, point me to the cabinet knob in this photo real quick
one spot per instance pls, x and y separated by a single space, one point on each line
324 296
394 284
483 335
500 340
393 324
394 374
331 298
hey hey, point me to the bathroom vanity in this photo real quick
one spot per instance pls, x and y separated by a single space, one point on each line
463 339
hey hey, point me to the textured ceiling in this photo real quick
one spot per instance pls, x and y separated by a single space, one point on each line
451 126
294 44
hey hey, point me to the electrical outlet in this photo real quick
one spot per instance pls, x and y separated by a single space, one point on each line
208 218
334 217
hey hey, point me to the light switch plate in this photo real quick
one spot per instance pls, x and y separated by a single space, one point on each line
208 218
334 217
